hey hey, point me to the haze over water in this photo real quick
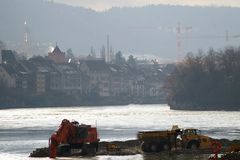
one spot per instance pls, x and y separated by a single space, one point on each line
23 130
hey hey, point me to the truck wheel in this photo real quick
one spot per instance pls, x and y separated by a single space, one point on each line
145 147
154 147
193 145
166 147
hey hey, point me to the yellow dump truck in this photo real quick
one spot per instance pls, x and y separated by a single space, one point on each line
155 141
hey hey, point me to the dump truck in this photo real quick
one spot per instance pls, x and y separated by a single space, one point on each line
156 141
73 138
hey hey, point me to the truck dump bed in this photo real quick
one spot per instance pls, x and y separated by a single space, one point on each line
143 135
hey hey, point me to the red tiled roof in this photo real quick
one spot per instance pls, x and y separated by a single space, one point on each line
56 50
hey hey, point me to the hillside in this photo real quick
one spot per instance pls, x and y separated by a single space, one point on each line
143 30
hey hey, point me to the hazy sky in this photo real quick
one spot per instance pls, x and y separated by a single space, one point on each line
101 5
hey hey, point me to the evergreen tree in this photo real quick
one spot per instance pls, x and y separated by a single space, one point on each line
119 59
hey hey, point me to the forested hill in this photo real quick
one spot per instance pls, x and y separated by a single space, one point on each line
208 81
143 30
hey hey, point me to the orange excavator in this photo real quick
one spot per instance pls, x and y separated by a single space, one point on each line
73 139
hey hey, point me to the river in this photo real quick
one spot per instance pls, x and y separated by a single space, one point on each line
23 130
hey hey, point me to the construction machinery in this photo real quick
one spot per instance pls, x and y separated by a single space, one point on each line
232 152
111 147
155 141
72 139
234 147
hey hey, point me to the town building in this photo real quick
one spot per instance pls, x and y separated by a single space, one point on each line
99 76
39 69
8 57
117 80
7 76
13 73
67 78
41 80
86 78
57 56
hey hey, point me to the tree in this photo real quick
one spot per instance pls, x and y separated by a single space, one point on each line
70 56
131 61
119 59
211 80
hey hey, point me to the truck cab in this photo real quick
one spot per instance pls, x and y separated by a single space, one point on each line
193 139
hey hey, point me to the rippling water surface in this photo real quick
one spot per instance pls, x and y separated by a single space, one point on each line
23 130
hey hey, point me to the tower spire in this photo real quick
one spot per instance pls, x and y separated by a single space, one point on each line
108 49
25 32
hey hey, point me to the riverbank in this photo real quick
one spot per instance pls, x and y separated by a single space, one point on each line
49 101
132 147
202 107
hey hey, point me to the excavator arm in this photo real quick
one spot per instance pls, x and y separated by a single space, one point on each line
61 136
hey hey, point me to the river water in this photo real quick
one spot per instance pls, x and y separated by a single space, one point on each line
23 130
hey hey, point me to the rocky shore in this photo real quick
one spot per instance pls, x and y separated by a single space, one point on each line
132 147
